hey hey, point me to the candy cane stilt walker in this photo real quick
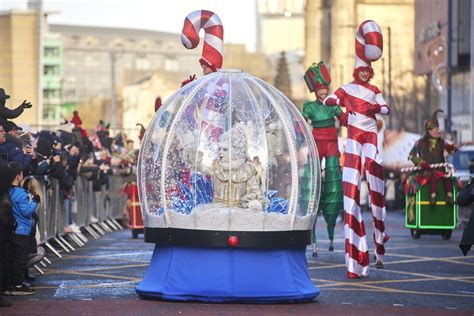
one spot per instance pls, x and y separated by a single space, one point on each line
363 101
213 117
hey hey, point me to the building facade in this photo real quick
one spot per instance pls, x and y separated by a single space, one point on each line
100 61
19 66
330 36
281 28
52 79
432 45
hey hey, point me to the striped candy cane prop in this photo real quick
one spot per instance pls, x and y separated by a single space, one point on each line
432 166
449 166
213 39
363 101
368 44
212 117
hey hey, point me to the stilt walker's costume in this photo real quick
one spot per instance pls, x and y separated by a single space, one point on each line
363 101
325 136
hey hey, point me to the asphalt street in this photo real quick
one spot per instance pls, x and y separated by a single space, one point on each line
427 275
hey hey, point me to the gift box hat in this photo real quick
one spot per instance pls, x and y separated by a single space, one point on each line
317 77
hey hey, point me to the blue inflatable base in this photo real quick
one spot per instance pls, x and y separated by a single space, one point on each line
228 275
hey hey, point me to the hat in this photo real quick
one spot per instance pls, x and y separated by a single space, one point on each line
3 95
11 126
213 48
56 139
317 77
368 47
432 122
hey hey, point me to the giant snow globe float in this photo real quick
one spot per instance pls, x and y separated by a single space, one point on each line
229 185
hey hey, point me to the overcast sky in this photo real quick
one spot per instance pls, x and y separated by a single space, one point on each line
238 16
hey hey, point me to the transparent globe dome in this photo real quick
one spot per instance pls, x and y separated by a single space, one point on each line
229 152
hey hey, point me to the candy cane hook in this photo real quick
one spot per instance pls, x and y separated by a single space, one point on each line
213 39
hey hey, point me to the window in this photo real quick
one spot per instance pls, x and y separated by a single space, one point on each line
461 159
51 70
50 113
51 93
70 93
51 51
142 64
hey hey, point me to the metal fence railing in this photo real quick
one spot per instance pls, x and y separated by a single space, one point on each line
94 212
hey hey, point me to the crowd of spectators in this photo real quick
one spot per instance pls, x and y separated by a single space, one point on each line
29 163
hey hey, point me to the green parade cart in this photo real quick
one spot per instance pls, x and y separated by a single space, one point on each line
423 218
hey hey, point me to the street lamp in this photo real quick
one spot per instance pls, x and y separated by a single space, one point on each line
113 100
390 121
117 48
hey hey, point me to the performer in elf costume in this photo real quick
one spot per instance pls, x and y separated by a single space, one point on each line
323 121
362 101
426 151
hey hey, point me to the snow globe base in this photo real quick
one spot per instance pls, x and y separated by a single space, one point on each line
228 275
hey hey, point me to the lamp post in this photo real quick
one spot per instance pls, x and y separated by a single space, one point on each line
113 99
448 67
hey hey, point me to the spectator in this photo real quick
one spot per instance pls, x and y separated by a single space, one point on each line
6 113
466 198
35 253
12 135
10 153
24 205
7 229
73 154
76 120
130 145
58 169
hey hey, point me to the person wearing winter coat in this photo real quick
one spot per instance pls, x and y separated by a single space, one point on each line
9 152
7 229
23 205
464 199
58 169
6 113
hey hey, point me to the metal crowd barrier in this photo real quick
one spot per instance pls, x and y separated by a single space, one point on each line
96 213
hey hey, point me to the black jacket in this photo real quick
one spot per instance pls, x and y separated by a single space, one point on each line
6 113
466 198
7 220
58 172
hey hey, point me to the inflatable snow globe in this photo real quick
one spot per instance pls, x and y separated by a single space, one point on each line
229 182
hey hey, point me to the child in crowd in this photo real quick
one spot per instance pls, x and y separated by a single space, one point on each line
23 205
35 253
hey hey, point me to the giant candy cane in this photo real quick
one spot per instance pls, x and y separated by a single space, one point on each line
213 39
369 43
